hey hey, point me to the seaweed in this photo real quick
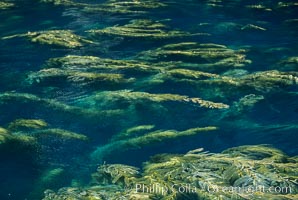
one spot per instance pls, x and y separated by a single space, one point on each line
26 124
128 7
125 7
145 140
60 133
6 5
79 78
92 64
10 100
207 56
245 172
59 38
117 174
142 29
131 97
288 64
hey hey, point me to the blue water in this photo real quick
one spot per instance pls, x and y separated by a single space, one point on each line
272 120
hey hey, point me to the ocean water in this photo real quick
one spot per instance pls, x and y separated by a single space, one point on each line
66 113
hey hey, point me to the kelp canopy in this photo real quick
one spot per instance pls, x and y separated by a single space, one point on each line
128 87
195 175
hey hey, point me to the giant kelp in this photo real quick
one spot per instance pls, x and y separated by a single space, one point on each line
245 172
60 38
5 5
93 64
137 82
125 7
227 85
111 6
114 97
27 124
16 101
80 78
145 140
206 56
141 28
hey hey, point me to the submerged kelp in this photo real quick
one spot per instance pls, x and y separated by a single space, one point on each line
5 5
34 129
37 105
144 97
77 77
27 124
144 140
118 81
126 7
60 38
208 56
111 6
141 28
94 64
245 172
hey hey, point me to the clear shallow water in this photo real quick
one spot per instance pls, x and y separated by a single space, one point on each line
92 110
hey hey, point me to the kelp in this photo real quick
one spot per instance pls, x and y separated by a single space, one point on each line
93 64
252 27
142 29
245 104
132 97
10 99
117 174
9 140
4 136
59 38
60 133
132 132
125 7
6 5
263 81
182 74
145 140
245 172
62 2
207 56
288 64
111 6
269 80
259 7
80 78
27 124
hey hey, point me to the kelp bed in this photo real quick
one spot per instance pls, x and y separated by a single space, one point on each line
92 83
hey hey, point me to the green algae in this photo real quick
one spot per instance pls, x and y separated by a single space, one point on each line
141 28
226 175
59 38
